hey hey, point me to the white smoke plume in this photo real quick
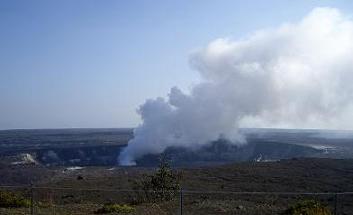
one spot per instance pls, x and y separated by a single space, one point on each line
295 75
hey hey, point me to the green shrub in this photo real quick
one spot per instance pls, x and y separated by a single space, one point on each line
163 185
12 200
44 204
115 208
308 207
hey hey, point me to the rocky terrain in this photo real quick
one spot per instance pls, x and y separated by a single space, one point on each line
75 171
207 190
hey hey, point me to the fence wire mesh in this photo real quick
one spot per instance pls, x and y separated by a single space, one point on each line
68 201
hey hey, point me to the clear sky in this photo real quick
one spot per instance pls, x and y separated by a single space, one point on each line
90 63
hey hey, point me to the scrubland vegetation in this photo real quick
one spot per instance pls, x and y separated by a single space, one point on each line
157 191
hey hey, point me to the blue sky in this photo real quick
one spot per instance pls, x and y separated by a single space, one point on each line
89 63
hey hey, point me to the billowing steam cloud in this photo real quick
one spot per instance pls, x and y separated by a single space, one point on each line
295 75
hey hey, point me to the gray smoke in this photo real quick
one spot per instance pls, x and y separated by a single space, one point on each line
295 75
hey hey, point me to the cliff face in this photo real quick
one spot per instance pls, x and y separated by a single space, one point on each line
217 152
222 151
101 147
80 156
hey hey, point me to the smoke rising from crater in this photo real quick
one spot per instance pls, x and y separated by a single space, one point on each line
296 75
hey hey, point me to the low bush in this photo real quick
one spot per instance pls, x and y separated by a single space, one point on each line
115 208
12 200
308 207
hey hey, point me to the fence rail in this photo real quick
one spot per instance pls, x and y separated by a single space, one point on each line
42 200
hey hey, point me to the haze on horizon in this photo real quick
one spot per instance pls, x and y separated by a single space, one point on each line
92 64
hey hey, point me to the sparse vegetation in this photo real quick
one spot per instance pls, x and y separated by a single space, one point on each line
297 175
115 208
308 207
12 200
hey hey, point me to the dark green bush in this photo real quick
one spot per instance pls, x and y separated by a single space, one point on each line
163 185
308 207
12 200
115 208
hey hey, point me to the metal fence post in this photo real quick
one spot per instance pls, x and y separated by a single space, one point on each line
336 201
181 200
32 200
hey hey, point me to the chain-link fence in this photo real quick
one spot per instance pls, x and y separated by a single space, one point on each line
69 201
